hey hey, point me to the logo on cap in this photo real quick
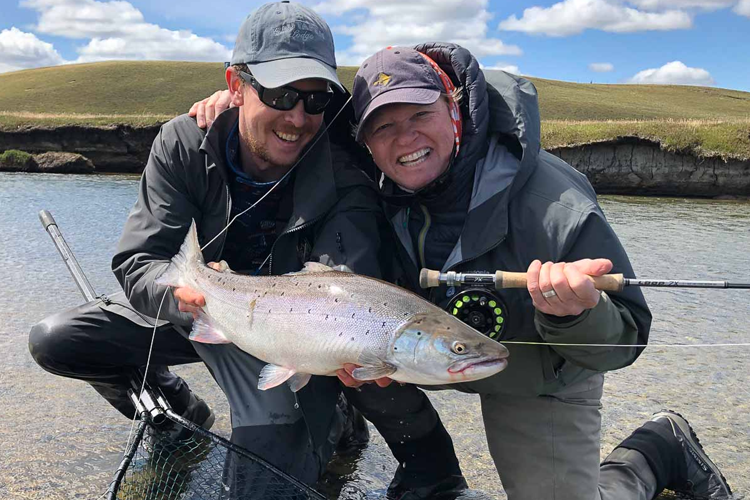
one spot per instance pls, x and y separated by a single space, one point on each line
383 80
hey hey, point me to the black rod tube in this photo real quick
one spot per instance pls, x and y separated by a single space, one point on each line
67 255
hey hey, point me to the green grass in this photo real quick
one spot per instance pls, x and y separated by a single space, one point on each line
700 119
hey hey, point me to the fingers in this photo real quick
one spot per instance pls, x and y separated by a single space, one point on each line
345 376
384 382
189 300
563 289
200 113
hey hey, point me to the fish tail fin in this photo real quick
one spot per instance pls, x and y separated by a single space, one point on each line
189 255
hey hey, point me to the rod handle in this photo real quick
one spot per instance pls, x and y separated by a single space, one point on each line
429 278
607 283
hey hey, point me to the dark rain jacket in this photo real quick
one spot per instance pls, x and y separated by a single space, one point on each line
521 204
330 214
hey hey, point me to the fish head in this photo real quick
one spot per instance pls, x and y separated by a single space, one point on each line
436 348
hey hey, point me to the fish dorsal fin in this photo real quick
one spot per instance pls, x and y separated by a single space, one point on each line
273 375
313 267
205 331
342 269
298 381
372 367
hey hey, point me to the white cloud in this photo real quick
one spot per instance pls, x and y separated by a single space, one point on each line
572 17
376 25
682 4
601 67
510 68
743 8
117 30
20 50
674 73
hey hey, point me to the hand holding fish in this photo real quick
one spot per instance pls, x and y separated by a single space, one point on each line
564 288
189 300
345 376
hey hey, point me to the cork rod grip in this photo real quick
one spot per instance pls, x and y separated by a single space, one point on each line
607 283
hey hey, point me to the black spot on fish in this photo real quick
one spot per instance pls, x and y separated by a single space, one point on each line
367 332
265 293
385 304
273 285
419 333
282 294
406 314
269 311
290 309
383 323
395 348
234 289
320 286
369 310
341 333
353 315
335 300
352 339
308 311
326 316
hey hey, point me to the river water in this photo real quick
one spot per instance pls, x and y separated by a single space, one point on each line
60 440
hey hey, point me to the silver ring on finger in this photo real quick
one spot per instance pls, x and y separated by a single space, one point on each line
549 294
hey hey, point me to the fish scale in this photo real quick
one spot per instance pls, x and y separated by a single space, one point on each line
314 321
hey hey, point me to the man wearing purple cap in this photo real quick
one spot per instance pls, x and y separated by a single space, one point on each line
269 189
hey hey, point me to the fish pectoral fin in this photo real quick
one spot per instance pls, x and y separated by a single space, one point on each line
273 375
298 381
374 372
205 331
343 269
313 267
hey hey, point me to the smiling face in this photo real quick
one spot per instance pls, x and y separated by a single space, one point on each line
271 141
411 143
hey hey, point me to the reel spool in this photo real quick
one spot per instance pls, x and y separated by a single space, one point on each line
480 309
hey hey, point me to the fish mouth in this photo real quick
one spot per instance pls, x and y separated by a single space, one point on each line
471 366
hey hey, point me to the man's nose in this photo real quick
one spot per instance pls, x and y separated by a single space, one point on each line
296 116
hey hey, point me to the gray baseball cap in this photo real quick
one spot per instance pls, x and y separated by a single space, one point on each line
394 75
283 42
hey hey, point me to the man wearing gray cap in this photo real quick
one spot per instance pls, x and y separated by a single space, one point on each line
269 190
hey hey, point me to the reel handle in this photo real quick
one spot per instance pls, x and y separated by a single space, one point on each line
504 279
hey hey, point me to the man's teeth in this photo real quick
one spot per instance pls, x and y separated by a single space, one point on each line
286 137
415 157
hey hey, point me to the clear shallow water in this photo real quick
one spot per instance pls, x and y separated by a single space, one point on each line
60 440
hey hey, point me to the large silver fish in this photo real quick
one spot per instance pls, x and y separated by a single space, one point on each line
313 321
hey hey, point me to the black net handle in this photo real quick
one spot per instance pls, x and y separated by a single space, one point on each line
127 459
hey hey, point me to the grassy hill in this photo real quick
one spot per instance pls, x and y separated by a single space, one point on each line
699 118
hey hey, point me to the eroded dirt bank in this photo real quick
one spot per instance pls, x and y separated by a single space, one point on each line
629 165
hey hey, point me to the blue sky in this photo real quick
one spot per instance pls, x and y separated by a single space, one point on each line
698 42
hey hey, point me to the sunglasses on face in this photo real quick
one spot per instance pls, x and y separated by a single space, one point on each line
285 98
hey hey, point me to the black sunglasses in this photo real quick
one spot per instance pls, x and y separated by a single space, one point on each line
285 98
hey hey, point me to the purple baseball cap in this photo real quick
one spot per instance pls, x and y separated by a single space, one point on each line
394 75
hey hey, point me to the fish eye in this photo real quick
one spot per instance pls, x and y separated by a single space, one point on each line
458 348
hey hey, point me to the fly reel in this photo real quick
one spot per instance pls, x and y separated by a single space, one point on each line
480 309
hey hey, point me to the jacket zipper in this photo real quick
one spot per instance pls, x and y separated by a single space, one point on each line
285 233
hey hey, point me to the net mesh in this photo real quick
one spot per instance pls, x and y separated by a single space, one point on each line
202 467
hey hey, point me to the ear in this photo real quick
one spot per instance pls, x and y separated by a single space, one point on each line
234 84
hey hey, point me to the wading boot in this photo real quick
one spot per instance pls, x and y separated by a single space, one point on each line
702 478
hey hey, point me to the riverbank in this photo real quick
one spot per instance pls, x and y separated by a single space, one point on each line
630 157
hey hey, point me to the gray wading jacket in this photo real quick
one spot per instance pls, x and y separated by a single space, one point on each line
527 204
331 214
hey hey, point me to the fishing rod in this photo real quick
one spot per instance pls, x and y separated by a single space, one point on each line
608 283
84 285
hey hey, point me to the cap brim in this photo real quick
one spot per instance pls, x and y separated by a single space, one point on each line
282 72
397 96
